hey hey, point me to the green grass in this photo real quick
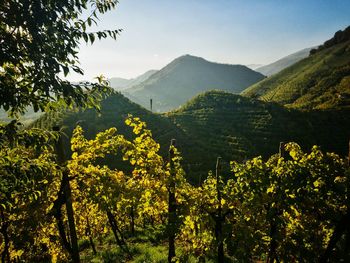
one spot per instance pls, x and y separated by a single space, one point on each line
149 245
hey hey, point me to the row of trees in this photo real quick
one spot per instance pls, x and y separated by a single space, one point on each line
293 207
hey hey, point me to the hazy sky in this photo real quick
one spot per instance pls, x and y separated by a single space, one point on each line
229 31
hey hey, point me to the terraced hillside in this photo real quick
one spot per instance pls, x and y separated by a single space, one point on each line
237 127
215 123
114 110
320 81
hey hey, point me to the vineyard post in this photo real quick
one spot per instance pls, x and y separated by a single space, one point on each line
89 234
68 199
282 150
171 204
219 217
349 155
273 224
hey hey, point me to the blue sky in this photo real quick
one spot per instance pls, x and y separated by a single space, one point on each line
229 31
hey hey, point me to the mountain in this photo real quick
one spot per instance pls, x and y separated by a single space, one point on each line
121 83
320 81
283 63
187 76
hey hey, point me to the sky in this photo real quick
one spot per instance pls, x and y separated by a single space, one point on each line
226 31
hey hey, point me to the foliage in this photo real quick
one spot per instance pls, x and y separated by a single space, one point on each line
39 43
286 208
29 182
303 195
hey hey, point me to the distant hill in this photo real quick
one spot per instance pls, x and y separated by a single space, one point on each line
320 81
25 119
283 63
121 83
187 76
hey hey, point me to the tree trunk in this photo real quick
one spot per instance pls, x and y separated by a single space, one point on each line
89 234
273 244
132 221
171 205
219 217
120 241
68 200
5 256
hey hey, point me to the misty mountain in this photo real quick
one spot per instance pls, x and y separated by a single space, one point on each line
254 66
187 76
283 63
121 83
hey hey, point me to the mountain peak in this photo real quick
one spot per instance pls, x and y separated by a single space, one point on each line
188 57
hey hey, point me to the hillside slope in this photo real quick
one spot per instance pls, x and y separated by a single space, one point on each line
114 111
187 76
320 81
213 124
237 128
283 63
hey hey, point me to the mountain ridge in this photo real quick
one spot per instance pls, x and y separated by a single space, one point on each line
284 62
186 76
122 83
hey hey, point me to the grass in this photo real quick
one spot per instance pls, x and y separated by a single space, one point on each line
147 246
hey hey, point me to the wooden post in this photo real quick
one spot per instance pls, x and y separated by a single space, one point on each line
89 234
151 103
68 199
282 150
219 217
349 155
171 204
272 256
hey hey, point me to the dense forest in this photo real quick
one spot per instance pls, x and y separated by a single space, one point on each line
224 178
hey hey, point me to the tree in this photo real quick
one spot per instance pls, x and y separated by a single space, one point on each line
39 40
